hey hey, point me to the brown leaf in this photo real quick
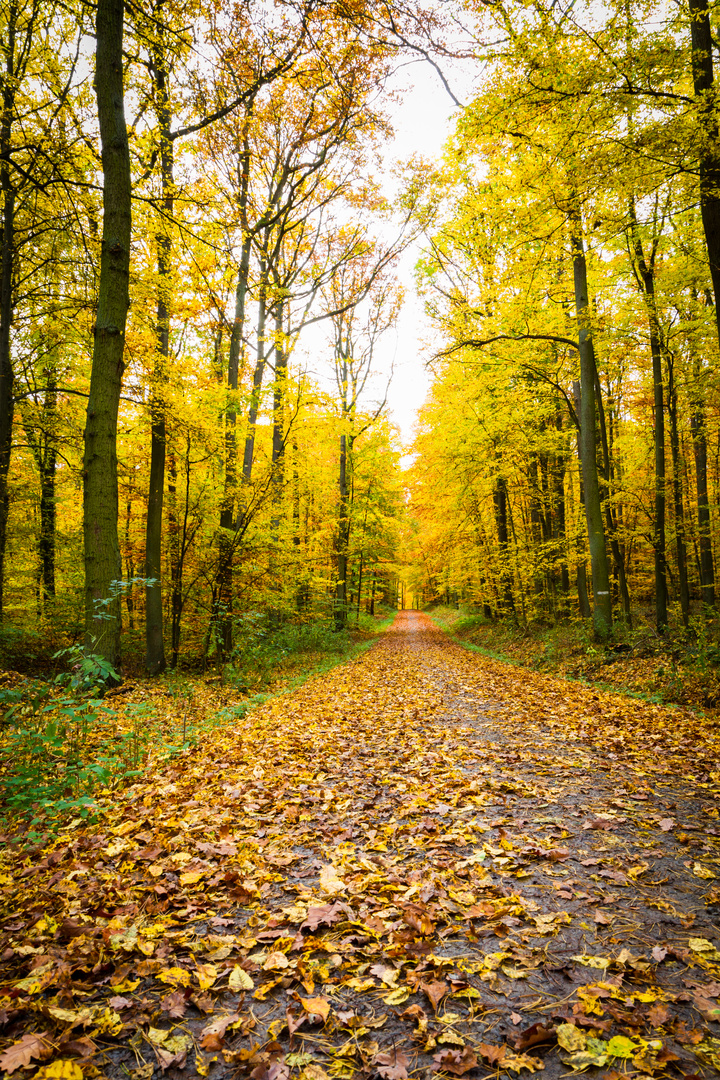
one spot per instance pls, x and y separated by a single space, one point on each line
393 1065
324 915
175 1004
658 1014
418 919
456 1062
434 991
533 1036
20 1054
667 824
168 1060
211 1036
493 1054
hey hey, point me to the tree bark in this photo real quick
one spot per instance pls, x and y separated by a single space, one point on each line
7 266
680 548
645 271
709 163
698 428
503 535
154 640
100 488
602 606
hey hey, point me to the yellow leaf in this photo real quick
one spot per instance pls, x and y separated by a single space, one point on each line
516 1062
206 975
361 984
63 1069
157 1036
330 882
317 1006
702 871
71 1016
174 976
600 962
397 996
240 980
276 961
191 877
571 1038
701 945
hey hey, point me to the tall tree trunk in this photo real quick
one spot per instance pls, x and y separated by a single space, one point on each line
503 535
680 548
222 604
602 606
48 506
343 538
100 487
154 640
645 271
709 163
699 433
279 387
7 266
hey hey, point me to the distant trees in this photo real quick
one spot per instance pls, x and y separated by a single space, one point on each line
571 268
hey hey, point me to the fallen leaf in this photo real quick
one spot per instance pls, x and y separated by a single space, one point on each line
493 1054
20 1054
434 991
456 1062
317 1006
392 1065
240 980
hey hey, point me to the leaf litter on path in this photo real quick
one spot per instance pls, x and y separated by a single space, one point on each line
425 862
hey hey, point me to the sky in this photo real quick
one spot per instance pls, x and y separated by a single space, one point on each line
422 122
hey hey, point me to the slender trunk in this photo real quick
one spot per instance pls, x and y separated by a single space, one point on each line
645 271
581 570
343 530
175 561
154 642
100 489
223 591
680 549
602 607
129 565
7 266
278 442
48 506
699 434
249 454
371 609
709 159
503 535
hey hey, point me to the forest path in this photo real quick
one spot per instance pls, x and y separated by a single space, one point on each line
424 861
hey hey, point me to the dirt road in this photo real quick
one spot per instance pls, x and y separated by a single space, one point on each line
423 862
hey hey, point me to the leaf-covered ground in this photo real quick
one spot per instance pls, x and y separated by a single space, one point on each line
423 863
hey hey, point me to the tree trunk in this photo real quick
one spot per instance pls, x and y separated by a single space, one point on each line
699 435
7 266
154 642
680 548
709 163
645 271
100 488
343 537
602 607
503 535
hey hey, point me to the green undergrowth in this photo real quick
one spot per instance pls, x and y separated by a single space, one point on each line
680 667
63 738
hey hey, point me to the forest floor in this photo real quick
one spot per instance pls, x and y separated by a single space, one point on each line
422 862
681 667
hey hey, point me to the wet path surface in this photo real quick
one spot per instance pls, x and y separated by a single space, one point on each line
423 862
